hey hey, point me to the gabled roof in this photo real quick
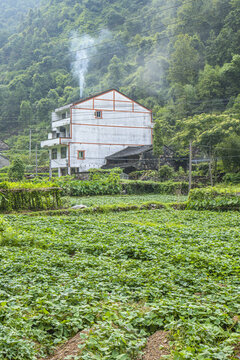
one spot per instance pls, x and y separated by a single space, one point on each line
3 146
130 151
105 92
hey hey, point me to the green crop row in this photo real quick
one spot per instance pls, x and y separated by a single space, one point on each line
214 198
148 187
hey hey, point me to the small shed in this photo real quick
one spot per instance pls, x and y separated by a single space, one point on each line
138 158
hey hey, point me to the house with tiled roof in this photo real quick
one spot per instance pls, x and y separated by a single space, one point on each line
86 132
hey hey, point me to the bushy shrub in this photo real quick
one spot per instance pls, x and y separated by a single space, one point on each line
181 172
151 175
109 185
233 178
148 187
165 173
29 196
16 170
203 169
7 234
214 198
97 174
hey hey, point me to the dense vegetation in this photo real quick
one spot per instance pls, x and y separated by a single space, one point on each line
124 276
215 198
13 12
180 59
28 196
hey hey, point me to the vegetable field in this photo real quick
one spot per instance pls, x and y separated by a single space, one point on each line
126 199
124 276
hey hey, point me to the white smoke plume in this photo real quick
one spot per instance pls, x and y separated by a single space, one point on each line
83 48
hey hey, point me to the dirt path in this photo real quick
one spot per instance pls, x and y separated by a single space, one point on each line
157 345
70 349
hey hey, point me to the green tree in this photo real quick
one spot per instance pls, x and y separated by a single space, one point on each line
229 151
116 72
157 138
185 61
16 170
26 113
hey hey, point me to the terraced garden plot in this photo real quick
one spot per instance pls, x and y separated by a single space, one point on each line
124 276
125 199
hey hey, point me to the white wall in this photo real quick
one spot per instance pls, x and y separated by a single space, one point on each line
124 123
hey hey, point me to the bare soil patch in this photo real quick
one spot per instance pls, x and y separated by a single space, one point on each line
70 349
157 346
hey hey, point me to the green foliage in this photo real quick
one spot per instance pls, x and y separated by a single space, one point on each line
233 178
214 198
144 175
185 61
97 174
181 172
202 63
121 277
101 184
16 170
229 151
26 114
158 138
165 173
8 237
147 187
27 196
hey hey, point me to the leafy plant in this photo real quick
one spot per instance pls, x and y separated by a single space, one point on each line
121 277
16 171
166 173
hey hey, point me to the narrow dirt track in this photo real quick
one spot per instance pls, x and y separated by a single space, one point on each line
157 346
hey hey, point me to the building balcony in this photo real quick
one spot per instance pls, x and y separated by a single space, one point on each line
59 163
60 122
50 142
55 142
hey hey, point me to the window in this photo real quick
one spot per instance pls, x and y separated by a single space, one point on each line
81 154
63 153
64 116
54 154
98 114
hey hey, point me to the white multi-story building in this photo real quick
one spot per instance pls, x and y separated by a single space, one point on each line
86 132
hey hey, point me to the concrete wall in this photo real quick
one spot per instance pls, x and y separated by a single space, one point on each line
123 123
4 161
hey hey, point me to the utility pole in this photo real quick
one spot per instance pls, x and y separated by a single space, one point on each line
36 161
210 167
30 142
50 164
190 166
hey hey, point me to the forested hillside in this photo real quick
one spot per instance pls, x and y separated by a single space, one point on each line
13 12
179 57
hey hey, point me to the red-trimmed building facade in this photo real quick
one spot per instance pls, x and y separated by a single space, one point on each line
86 132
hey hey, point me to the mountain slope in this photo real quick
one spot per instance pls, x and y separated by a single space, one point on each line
12 11
177 57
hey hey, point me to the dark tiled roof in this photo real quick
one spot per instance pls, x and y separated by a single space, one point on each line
130 151
3 146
